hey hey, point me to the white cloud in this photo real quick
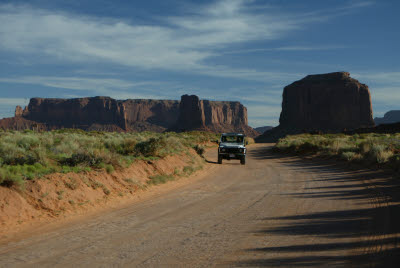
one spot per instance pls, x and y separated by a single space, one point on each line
181 43
77 83
286 48
115 88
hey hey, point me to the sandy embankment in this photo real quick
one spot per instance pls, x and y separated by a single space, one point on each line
58 197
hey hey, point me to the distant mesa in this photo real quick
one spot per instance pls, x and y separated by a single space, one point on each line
389 118
107 114
328 103
263 129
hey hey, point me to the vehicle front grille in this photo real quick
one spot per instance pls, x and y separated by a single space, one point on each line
233 150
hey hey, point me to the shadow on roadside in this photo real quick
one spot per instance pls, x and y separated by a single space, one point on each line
373 230
211 162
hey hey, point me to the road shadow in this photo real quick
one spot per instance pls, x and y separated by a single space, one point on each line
373 231
211 162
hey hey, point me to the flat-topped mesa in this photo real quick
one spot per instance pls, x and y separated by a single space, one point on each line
76 113
103 113
332 102
107 114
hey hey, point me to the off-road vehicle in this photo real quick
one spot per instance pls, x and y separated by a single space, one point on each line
232 146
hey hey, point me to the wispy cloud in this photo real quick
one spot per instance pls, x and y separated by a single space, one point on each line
287 48
380 77
77 83
180 43
115 88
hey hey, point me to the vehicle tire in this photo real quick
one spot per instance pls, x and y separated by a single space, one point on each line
243 160
219 159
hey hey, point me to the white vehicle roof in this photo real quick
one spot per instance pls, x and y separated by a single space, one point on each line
232 134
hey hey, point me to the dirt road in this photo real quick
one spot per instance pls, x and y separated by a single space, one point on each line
275 211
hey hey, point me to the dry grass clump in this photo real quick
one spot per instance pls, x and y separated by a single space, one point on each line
372 148
26 155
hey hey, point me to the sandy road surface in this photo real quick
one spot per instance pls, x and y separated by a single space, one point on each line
275 211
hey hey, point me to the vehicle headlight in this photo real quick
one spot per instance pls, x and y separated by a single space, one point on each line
222 149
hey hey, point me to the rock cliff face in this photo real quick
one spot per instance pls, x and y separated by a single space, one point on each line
102 113
331 102
107 114
216 116
20 123
389 118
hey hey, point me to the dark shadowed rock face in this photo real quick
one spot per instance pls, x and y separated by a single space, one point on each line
191 116
331 102
107 114
103 113
327 102
388 118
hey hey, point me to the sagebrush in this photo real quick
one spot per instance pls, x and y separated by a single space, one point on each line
370 148
25 155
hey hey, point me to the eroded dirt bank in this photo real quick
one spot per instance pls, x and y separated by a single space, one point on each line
277 211
57 197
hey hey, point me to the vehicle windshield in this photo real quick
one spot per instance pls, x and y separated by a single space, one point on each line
232 139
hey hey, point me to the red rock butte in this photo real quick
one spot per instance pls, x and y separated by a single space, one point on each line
107 114
329 103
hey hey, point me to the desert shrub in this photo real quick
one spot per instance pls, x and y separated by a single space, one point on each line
367 148
109 168
188 170
82 158
307 147
106 190
160 179
149 147
9 178
380 153
364 147
348 155
249 140
71 183
199 149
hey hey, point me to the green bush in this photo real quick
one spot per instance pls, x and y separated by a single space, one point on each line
368 148
26 155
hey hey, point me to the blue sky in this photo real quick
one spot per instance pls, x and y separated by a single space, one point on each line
235 50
